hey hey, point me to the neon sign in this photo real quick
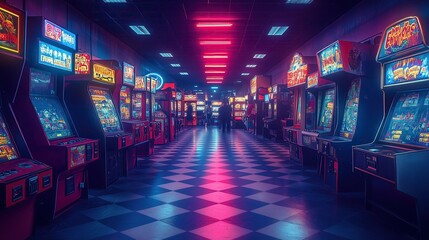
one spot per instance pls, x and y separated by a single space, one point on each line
128 74
54 57
297 73
10 31
253 85
59 34
159 81
407 70
140 83
401 36
103 74
312 80
330 59
82 63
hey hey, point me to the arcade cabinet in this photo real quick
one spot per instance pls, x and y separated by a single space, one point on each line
359 108
161 117
130 123
43 116
179 110
166 98
190 99
90 102
22 179
201 108
279 109
238 111
215 111
138 109
395 165
258 88
319 117
296 81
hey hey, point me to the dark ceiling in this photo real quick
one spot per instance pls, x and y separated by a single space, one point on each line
172 25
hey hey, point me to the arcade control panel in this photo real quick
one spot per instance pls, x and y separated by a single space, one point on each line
80 151
21 179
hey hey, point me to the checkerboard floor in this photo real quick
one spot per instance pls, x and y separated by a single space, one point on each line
213 185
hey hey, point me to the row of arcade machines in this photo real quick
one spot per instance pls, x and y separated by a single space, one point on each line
278 111
69 123
239 107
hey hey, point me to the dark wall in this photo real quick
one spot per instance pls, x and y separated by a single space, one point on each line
364 21
92 38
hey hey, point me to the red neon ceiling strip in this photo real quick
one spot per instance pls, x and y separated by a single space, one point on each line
213 82
215 65
217 42
215 72
215 56
214 78
214 24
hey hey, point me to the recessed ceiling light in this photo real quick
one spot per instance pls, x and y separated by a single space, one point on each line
214 82
214 78
215 56
214 24
140 30
175 65
245 74
115 1
214 71
238 81
277 30
195 85
184 73
260 55
251 65
215 65
166 54
299 1
215 42
214 87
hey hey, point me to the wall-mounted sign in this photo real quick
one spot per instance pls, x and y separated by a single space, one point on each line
128 74
55 57
10 30
59 34
312 80
103 74
179 96
407 70
190 97
82 63
153 85
400 36
297 74
140 83
253 85
330 59
148 83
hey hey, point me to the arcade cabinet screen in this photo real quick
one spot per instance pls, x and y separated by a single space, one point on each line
408 119
106 110
52 116
125 103
137 105
310 108
7 149
326 110
41 83
351 111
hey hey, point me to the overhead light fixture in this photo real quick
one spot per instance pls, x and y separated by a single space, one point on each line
213 24
215 42
214 78
251 65
215 65
214 71
115 1
259 55
214 82
195 85
277 30
175 65
166 54
184 73
245 74
299 1
214 87
140 29
215 56
238 81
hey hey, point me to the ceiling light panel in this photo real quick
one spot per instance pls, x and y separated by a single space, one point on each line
251 65
115 1
277 30
215 65
164 54
175 65
140 29
299 1
215 56
260 55
215 42
184 73
245 74
213 24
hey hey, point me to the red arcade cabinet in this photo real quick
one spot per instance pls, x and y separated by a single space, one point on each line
395 165
138 106
21 179
130 123
90 102
43 117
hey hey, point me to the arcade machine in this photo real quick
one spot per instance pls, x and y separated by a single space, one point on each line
395 165
359 105
281 103
179 110
44 119
201 108
91 94
138 109
130 121
319 117
258 88
296 81
190 99
22 179
168 105
161 118
215 111
239 108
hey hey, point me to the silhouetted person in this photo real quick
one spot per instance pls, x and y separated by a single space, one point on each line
189 117
225 116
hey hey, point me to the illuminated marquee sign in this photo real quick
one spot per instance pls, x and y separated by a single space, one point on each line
55 57
312 80
240 99
400 36
253 86
10 30
407 70
128 74
153 84
59 34
179 96
82 63
297 74
190 98
140 83
103 74
330 59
